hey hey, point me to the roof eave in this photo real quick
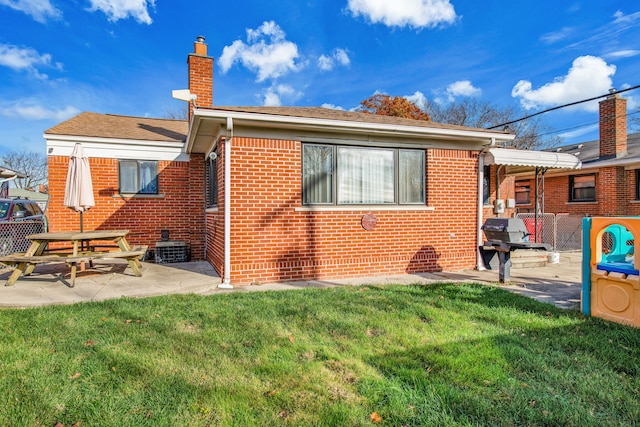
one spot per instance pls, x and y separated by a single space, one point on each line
484 137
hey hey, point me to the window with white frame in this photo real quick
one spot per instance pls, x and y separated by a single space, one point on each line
138 176
344 175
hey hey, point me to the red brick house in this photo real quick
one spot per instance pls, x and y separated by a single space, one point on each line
608 183
282 193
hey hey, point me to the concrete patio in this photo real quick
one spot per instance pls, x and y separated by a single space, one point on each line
558 284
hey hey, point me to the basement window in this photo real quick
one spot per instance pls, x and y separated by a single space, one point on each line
341 175
582 188
138 176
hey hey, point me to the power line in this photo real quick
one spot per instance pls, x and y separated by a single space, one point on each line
578 126
613 92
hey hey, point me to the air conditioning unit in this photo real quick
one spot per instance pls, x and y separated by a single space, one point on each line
171 251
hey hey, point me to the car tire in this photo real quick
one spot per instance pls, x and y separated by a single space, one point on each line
6 245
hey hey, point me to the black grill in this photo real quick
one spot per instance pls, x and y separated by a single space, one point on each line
503 236
505 230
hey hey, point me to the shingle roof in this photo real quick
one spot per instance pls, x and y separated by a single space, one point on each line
143 128
122 127
343 115
589 152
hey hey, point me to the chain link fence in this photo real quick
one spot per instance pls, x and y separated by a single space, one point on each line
568 232
562 231
13 235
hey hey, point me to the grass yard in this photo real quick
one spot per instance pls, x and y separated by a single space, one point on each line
440 355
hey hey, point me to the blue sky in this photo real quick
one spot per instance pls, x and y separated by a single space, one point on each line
61 57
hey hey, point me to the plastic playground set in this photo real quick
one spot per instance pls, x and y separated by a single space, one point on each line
610 271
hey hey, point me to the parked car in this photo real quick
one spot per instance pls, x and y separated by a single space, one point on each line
18 219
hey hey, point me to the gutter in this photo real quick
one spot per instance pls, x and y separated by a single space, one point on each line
345 125
226 280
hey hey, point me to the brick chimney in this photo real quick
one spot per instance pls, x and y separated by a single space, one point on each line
200 75
613 126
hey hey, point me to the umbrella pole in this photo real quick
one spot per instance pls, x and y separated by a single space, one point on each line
81 242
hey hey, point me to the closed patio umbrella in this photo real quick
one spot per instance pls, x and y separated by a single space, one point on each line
78 192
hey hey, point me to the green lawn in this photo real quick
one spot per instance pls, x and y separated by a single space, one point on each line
379 355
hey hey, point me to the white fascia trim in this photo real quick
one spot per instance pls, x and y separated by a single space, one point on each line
112 148
345 125
116 141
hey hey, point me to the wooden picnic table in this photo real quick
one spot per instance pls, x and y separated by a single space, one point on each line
38 251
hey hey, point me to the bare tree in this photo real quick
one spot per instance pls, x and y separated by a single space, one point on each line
34 165
530 134
178 113
472 112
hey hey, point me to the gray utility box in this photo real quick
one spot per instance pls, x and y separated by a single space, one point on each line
505 229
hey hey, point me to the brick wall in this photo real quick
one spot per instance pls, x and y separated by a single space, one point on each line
270 241
181 210
215 220
615 194
507 184
556 197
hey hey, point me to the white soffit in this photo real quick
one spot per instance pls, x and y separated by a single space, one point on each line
530 158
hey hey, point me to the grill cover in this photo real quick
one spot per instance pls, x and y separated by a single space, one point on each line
511 230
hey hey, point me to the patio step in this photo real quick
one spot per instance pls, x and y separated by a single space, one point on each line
528 259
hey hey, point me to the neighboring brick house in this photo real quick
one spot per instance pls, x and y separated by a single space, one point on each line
608 182
283 193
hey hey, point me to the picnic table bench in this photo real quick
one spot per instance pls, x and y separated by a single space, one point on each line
37 253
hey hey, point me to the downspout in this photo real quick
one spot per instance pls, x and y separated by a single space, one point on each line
480 201
498 183
226 280
479 262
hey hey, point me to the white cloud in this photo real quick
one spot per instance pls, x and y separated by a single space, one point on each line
338 56
626 19
402 13
557 36
31 110
39 10
463 88
633 102
419 99
588 76
122 9
268 53
273 96
628 53
332 107
26 59
460 88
